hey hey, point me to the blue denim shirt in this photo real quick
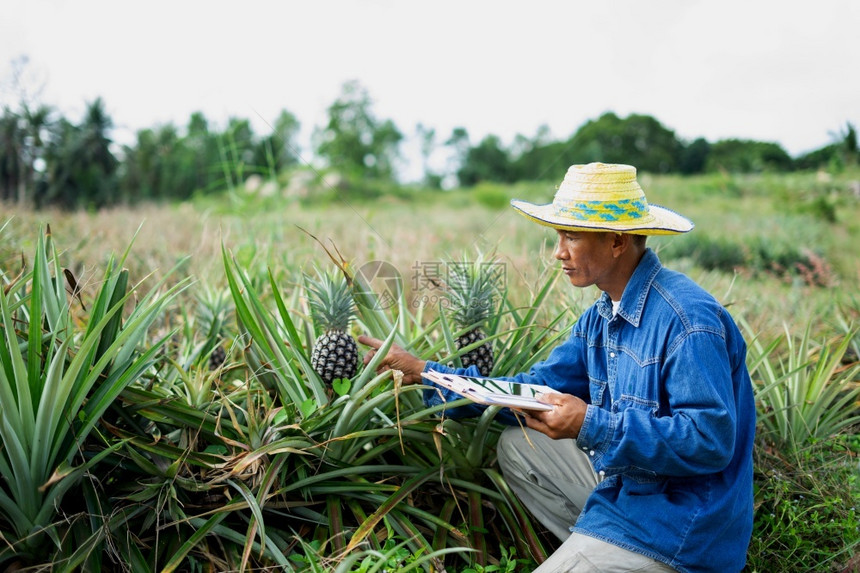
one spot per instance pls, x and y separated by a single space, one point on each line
670 420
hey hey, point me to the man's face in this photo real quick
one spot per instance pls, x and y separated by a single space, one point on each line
586 257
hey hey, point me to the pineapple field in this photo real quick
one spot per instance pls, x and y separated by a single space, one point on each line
181 388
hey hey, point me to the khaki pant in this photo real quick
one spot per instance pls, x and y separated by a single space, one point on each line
553 478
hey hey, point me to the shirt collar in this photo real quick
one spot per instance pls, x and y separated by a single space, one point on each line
633 298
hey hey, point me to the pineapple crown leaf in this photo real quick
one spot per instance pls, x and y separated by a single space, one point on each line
472 290
330 300
214 308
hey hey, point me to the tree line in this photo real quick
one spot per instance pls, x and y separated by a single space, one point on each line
49 160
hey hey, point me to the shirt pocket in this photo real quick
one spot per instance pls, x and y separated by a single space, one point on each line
626 401
597 390
598 378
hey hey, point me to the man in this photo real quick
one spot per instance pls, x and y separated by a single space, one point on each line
645 461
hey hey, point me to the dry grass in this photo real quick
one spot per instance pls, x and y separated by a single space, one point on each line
414 235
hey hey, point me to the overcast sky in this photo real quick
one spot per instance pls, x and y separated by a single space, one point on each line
784 71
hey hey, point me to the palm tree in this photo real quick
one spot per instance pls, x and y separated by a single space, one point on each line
11 143
81 167
36 128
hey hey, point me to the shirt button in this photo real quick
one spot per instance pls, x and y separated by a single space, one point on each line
591 453
612 355
601 473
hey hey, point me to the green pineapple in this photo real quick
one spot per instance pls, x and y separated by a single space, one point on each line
335 352
471 298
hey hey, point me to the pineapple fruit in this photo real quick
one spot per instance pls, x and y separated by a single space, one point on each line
471 298
335 352
217 358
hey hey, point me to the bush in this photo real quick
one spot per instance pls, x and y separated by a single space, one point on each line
790 263
491 196
755 257
713 254
745 156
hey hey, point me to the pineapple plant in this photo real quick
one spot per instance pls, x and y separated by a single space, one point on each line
214 309
335 351
471 300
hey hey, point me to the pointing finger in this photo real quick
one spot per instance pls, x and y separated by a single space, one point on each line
370 341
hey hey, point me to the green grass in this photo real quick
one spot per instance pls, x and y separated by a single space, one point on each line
806 507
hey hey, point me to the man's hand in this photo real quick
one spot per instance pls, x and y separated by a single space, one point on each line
563 421
396 359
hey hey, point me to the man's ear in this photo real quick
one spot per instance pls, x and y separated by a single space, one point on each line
620 243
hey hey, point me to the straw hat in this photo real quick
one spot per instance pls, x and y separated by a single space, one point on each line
604 197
